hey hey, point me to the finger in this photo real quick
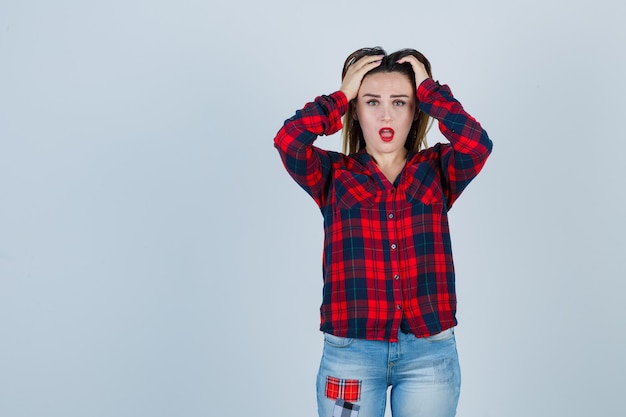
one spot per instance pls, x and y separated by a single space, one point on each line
366 67
368 61
356 72
409 58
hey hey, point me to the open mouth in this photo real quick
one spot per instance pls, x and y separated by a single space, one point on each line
386 134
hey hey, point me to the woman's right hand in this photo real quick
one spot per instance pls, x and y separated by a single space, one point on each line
355 73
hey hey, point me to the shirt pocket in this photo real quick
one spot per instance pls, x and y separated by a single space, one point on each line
354 190
426 190
428 195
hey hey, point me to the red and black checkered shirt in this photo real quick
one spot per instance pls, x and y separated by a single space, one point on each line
387 251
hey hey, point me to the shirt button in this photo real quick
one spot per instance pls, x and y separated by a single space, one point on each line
396 277
393 246
399 307
391 215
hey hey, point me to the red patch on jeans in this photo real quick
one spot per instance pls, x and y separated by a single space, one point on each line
346 389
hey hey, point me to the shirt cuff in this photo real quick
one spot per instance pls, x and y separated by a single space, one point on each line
335 113
341 100
426 88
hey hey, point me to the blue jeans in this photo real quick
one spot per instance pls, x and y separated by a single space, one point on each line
423 374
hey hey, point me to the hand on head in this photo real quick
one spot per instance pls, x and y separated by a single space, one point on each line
418 68
355 73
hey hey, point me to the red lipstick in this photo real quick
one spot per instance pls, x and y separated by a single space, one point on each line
386 134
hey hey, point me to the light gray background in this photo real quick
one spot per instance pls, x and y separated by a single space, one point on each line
156 259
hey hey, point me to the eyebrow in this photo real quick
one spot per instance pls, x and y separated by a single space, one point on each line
391 96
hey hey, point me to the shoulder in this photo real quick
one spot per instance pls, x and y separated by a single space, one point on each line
431 153
353 162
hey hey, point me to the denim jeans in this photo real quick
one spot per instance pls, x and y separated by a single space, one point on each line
423 374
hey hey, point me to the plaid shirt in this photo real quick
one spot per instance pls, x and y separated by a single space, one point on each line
387 251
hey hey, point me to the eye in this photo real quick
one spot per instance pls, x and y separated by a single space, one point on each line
372 103
399 103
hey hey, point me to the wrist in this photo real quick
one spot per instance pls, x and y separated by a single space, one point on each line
350 95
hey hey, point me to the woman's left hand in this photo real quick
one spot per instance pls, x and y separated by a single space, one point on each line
418 68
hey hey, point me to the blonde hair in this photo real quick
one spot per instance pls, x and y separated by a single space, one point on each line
353 140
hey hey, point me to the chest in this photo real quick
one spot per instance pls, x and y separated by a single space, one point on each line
419 184
391 173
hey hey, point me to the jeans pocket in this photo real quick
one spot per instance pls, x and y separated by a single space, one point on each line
441 337
336 341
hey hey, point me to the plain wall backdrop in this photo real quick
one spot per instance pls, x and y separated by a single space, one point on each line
157 260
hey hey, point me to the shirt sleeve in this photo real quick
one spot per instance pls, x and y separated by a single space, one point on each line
469 147
308 165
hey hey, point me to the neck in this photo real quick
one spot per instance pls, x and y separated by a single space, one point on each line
390 164
384 160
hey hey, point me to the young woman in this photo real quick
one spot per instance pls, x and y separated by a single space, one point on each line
389 303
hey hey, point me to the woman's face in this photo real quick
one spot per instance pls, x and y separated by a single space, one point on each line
385 109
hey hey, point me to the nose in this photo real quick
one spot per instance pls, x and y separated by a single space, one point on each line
385 114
